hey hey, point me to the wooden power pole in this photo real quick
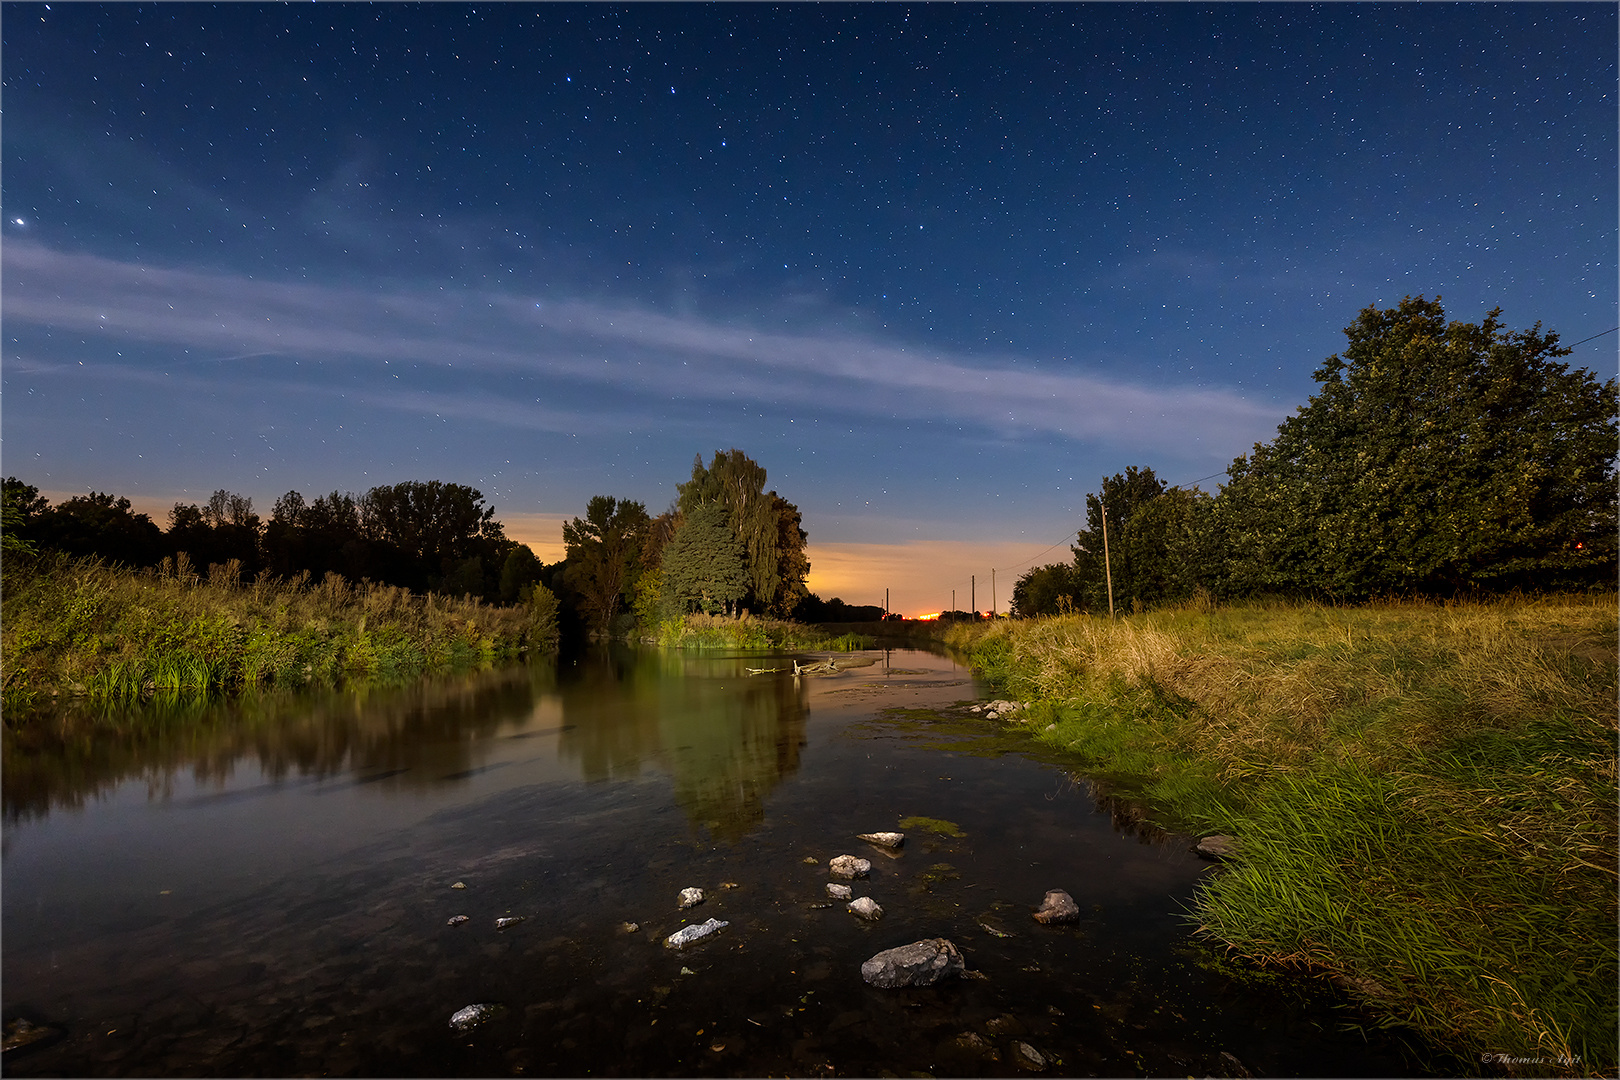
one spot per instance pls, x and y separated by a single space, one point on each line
1108 569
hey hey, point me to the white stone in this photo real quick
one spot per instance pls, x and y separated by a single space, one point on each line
471 1016
866 908
691 897
883 839
849 867
837 891
686 935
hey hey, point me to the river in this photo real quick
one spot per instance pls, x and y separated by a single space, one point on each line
263 886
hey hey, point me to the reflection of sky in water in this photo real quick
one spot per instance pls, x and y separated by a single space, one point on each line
207 802
295 863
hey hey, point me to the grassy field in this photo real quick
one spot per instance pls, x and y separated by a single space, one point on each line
77 628
1424 795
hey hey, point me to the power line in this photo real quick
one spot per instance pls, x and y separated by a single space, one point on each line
1594 337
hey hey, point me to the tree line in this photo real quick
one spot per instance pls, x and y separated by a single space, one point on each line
424 536
1436 458
724 545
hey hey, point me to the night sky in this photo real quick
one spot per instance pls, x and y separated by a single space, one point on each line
938 269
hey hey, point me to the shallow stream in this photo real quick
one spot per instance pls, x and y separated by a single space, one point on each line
263 887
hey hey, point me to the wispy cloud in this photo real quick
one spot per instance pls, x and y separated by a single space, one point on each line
593 346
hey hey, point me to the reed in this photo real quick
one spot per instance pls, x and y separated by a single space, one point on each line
754 634
81 628
1424 794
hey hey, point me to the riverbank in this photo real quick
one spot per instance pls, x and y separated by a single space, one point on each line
1423 795
76 628
749 633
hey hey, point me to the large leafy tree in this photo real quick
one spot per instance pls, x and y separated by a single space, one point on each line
1097 557
705 565
1436 457
446 535
1045 590
604 557
766 525
102 525
23 505
792 563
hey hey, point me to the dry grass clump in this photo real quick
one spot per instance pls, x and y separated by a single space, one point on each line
1279 684
1424 794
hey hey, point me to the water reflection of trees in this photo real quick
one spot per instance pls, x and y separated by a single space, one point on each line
725 738
416 733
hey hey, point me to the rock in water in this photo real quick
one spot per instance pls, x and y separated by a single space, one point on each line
686 935
922 963
502 924
883 839
838 892
849 867
457 920
866 908
1216 847
1058 907
473 1015
1028 1057
20 1033
691 897
459 885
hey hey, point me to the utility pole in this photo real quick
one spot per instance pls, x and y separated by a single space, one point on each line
1108 569
953 599
973 600
885 604
992 592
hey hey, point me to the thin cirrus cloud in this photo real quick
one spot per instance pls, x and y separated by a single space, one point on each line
589 345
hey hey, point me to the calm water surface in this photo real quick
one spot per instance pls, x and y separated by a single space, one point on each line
261 887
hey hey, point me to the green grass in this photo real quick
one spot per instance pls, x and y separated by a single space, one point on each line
75 628
754 633
1425 794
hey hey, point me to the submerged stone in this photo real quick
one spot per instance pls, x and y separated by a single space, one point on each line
922 963
20 1033
457 920
459 885
1058 907
849 867
883 839
1028 1057
473 1015
502 924
1216 847
838 892
971 1042
686 935
691 897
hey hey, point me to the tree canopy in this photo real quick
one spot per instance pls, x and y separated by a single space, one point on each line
604 556
767 526
705 565
1436 457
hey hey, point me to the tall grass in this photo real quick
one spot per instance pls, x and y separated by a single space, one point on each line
76 627
1424 794
754 633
